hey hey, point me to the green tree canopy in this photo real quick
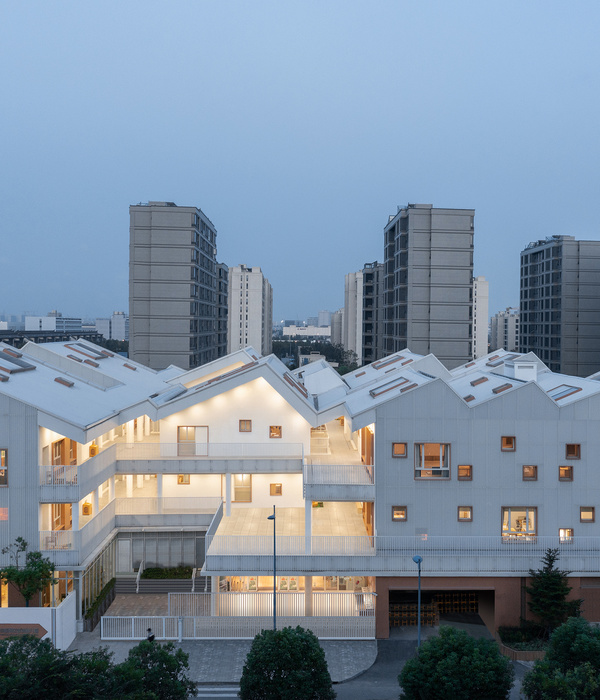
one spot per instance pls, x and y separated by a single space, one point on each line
455 665
29 577
289 663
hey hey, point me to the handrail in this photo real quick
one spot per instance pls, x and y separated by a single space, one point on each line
139 576
194 579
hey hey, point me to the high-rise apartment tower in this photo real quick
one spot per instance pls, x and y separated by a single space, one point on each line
481 297
560 304
428 282
504 330
172 286
250 310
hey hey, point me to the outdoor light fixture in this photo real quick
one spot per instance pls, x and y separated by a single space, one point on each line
417 559
272 517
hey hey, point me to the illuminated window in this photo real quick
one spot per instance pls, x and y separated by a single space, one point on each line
518 522
587 514
399 513
183 478
186 440
529 472
508 443
465 472
565 534
242 488
3 467
274 431
399 449
573 451
245 426
276 489
432 459
565 473
3 513
465 513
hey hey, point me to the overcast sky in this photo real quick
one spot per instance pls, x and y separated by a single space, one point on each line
297 127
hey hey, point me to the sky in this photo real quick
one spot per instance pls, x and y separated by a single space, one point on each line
297 127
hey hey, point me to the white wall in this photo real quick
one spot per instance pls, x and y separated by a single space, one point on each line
201 485
291 491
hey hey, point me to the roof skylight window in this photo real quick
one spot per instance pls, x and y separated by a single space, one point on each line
562 391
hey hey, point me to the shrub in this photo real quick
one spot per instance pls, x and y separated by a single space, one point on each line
173 572
100 599
455 665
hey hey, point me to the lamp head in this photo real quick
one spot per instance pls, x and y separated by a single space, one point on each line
417 559
270 517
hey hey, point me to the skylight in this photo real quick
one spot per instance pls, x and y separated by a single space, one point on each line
562 391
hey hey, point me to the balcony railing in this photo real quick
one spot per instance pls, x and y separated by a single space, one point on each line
167 505
210 450
337 474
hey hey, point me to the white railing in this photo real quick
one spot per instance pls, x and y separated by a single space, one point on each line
215 522
57 539
96 470
193 579
58 475
179 628
167 506
231 450
336 474
289 545
260 604
319 445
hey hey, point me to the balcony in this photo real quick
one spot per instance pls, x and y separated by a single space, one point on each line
68 484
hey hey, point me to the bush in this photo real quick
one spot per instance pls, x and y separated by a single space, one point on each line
289 663
455 665
100 599
528 637
173 572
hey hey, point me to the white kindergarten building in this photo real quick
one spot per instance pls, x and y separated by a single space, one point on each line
109 466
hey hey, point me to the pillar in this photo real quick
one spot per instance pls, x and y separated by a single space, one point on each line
139 436
129 485
307 526
159 492
146 426
308 596
111 488
228 494
75 516
130 436
95 506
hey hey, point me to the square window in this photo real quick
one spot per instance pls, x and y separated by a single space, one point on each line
509 443
274 431
529 472
519 522
587 514
183 478
399 513
565 534
565 473
245 426
432 460
573 451
465 513
465 472
276 489
399 449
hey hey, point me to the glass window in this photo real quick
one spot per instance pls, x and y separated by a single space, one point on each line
245 426
3 467
565 534
529 472
565 473
465 472
186 440
274 431
518 522
509 443
242 488
399 513
465 513
183 478
276 489
587 514
573 451
432 459
399 449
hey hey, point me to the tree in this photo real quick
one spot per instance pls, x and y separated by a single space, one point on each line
33 576
571 667
289 663
548 593
455 665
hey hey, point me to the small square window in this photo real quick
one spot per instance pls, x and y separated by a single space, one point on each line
465 514
565 473
399 513
465 472
529 472
276 489
587 514
245 426
399 449
509 443
183 479
573 451
274 431
566 534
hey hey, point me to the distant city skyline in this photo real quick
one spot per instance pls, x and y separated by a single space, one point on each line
297 128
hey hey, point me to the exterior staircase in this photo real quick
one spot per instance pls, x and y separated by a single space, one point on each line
127 584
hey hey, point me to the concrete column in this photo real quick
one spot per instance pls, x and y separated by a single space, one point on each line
140 429
130 435
307 526
159 491
129 485
146 426
228 494
111 488
75 516
111 434
308 596
100 441
95 506
139 481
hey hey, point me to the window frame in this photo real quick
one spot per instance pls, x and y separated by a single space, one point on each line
469 476
508 449
183 479
591 509
571 472
234 499
564 537
399 518
577 451
444 470
520 534
3 467
400 456
275 489
245 425
464 519
275 432
535 472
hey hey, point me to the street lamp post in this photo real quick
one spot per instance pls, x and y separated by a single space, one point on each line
272 517
417 559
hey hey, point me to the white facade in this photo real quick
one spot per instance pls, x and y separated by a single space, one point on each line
481 299
307 332
106 463
504 330
250 315
114 328
53 322
353 314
